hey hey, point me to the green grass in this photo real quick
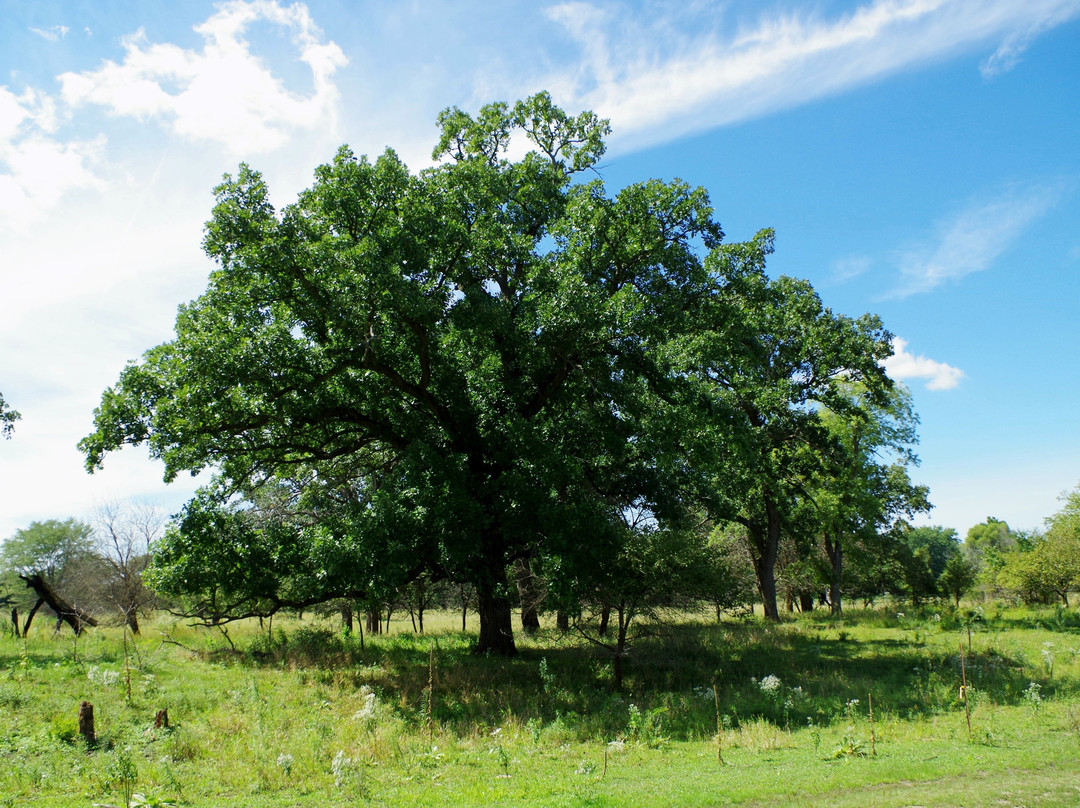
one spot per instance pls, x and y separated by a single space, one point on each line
306 717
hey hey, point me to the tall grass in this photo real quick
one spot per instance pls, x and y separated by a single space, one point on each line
305 715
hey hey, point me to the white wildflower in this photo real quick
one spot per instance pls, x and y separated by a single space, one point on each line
770 685
343 768
367 709
285 762
103 677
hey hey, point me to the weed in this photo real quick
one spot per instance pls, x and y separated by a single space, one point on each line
645 726
285 763
849 747
1033 696
123 774
152 801
346 772
1048 659
500 752
547 678
815 733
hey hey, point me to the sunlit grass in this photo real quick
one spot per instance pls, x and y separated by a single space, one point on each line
304 715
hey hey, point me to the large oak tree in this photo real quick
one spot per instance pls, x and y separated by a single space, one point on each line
450 369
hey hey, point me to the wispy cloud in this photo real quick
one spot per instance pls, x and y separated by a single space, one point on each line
53 34
971 240
847 269
224 92
656 83
904 365
1008 54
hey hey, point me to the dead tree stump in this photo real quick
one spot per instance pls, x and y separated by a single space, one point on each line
86 722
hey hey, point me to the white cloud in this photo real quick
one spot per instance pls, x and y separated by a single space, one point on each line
655 85
36 169
224 92
971 240
903 365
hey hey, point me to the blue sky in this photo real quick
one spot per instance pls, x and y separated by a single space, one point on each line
918 159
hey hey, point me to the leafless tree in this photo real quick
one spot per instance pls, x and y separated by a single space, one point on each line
124 535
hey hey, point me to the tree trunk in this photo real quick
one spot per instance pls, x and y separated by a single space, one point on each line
767 589
806 602
764 548
562 620
605 617
374 619
346 617
131 617
30 617
623 614
527 594
496 617
835 551
72 615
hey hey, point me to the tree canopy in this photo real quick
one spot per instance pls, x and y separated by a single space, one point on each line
486 361
772 360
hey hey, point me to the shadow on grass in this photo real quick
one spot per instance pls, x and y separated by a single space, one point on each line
790 675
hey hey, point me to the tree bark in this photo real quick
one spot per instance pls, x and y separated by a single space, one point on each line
605 618
86 722
765 546
493 609
30 617
374 619
562 620
72 615
347 617
527 594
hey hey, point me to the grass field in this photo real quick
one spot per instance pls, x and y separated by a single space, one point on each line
736 713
